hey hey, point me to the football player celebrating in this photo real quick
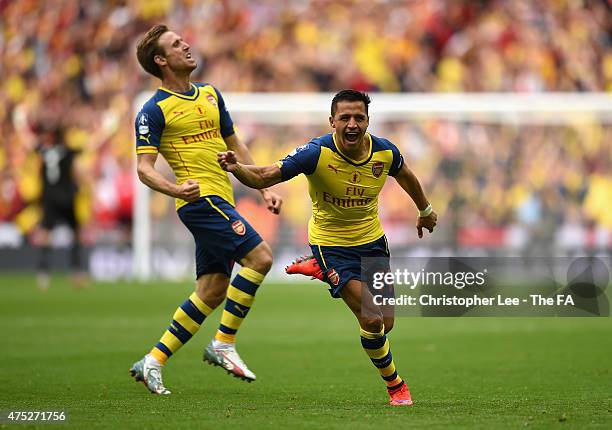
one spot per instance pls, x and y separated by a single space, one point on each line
346 170
189 124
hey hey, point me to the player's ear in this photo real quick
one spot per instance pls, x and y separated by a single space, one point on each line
331 122
159 60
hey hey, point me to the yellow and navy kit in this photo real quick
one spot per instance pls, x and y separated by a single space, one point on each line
344 192
188 129
221 234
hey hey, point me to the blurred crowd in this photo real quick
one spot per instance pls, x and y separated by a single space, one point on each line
520 187
69 66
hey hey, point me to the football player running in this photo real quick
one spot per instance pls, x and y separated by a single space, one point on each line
346 170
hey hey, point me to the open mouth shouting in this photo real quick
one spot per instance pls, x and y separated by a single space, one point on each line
189 57
351 136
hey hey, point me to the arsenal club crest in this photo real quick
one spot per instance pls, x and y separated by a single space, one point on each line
333 277
239 227
212 100
377 168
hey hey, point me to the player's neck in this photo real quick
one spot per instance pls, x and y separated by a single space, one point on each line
356 152
177 84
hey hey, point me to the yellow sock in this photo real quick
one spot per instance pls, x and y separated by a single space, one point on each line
186 321
240 297
376 345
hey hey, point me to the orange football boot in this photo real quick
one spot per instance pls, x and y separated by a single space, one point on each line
400 396
306 265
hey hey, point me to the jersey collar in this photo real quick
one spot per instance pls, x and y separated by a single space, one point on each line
185 96
349 159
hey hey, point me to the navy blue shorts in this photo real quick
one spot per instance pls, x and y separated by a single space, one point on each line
340 264
222 236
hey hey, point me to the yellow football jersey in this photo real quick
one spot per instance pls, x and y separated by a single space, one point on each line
344 192
188 130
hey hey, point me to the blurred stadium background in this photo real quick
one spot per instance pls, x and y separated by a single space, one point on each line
501 107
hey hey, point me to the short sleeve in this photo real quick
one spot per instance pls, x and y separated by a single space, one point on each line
398 160
303 159
225 120
149 125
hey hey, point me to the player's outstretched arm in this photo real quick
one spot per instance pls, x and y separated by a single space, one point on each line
273 200
409 182
188 190
257 177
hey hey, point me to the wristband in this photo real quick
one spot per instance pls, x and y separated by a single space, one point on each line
426 212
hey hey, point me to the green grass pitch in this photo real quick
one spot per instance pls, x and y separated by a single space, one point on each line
71 350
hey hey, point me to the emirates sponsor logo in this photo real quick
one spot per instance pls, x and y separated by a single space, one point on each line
239 227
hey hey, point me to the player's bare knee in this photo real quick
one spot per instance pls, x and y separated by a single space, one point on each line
260 259
264 263
373 324
211 297
212 289
388 324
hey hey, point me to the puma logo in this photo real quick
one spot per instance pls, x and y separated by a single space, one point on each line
241 310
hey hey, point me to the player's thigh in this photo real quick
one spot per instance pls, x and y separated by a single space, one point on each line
388 311
361 302
365 308
211 288
259 258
